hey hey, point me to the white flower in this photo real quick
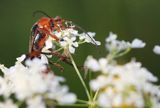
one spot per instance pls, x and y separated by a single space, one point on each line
31 79
48 45
25 81
20 59
36 102
8 104
137 43
116 46
69 43
60 93
67 98
111 37
104 101
92 63
66 33
89 38
118 100
95 65
37 64
98 83
156 49
122 84
3 87
69 39
112 44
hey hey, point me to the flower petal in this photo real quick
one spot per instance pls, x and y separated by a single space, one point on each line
137 43
156 49
71 49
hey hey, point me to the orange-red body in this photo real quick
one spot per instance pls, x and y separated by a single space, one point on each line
40 32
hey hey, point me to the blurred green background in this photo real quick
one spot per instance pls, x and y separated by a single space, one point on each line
128 18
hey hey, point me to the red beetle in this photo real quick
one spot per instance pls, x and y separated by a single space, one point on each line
44 28
41 30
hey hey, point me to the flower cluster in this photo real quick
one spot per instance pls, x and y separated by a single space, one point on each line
116 47
123 86
31 83
70 39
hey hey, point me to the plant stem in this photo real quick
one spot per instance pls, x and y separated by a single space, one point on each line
91 93
82 101
72 105
95 96
123 53
80 77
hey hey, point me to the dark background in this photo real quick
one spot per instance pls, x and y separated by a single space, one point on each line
128 18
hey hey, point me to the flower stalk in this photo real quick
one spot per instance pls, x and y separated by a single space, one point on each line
80 77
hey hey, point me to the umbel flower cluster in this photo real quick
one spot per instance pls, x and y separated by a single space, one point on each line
32 83
29 83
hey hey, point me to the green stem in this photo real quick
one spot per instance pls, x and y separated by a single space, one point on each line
82 101
72 105
115 54
58 50
80 77
91 93
95 96
51 103
123 53
81 42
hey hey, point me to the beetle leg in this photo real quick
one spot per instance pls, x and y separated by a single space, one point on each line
49 33
60 56
54 37
57 65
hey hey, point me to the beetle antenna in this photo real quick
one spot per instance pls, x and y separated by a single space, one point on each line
84 32
41 12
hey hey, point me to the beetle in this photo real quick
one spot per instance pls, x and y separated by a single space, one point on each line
44 28
40 32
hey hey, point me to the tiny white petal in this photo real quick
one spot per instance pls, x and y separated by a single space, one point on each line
117 101
92 64
3 68
156 49
21 58
35 102
137 43
111 37
94 85
68 99
73 38
104 101
44 59
71 49
48 43
75 44
63 43
92 34
98 42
